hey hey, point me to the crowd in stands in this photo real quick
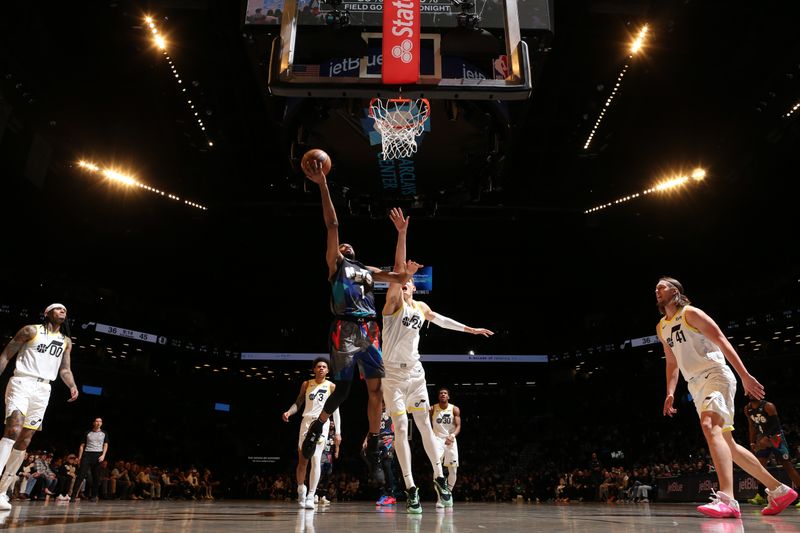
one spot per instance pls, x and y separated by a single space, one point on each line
43 477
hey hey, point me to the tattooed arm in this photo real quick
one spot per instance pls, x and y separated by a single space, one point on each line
14 345
66 372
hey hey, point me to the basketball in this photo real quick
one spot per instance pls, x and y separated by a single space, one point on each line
320 156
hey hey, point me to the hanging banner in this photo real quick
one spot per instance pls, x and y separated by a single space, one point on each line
401 44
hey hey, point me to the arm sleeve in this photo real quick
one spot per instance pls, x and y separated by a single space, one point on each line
448 323
337 420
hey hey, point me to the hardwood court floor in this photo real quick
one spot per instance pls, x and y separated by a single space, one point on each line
261 516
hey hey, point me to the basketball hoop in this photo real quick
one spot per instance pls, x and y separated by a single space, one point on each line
399 121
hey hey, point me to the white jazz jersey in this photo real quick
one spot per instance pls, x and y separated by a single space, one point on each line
401 335
316 394
41 356
694 352
444 421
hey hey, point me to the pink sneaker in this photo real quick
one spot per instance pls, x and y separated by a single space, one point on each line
720 506
779 499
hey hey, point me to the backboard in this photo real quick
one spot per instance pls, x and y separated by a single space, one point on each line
315 58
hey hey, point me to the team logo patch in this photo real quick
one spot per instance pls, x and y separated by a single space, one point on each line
33 422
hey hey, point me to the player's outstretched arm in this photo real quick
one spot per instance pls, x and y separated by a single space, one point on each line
448 323
411 268
313 171
394 295
696 318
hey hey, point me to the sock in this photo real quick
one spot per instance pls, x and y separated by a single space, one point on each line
10 474
402 449
433 446
451 476
5 450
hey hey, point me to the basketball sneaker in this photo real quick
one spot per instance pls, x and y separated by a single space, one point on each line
720 506
301 495
309 504
412 501
4 503
381 500
445 497
312 437
390 501
324 500
373 458
779 499
758 499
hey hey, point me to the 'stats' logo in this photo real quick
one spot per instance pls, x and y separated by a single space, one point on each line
403 51
55 348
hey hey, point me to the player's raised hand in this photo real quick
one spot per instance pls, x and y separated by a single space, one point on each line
412 267
400 223
313 171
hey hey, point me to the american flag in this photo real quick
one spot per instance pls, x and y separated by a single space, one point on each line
306 71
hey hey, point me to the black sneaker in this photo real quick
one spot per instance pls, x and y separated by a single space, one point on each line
412 501
312 437
373 457
443 492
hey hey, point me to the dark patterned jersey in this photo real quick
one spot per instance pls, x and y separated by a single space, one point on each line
764 423
351 290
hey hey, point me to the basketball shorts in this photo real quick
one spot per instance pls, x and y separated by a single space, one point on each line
307 420
714 390
355 344
405 390
30 397
777 446
450 455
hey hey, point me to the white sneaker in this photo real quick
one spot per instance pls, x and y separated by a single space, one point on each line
309 503
301 495
316 498
324 500
5 505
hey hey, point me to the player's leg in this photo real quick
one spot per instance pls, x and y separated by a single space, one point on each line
418 405
344 343
394 399
370 363
316 460
302 462
450 460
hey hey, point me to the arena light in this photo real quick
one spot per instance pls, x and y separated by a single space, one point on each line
638 42
669 184
634 49
792 111
127 180
161 43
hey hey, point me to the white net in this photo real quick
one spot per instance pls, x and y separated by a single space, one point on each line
400 122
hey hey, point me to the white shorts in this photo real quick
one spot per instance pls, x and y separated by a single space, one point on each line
307 420
714 390
405 390
30 397
450 456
